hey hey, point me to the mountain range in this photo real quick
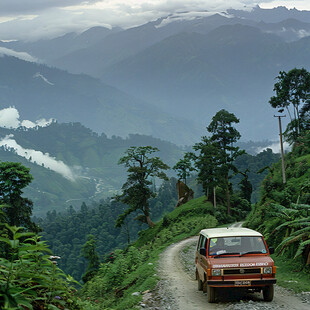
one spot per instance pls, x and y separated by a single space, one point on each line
166 78
38 91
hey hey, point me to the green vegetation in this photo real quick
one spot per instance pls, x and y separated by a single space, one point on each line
257 167
29 278
282 214
66 232
96 243
92 158
291 274
134 270
17 209
136 192
184 167
292 93
216 156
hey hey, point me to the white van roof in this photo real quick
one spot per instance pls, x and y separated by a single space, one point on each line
229 232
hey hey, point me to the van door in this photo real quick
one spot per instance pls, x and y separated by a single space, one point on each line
202 244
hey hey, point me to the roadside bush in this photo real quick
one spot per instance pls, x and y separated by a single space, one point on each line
28 278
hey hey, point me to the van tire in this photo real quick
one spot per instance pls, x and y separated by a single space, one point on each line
205 287
211 294
268 293
200 285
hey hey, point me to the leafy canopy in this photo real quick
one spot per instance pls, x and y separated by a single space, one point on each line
136 191
293 94
217 154
18 210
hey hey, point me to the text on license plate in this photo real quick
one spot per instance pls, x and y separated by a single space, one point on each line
243 283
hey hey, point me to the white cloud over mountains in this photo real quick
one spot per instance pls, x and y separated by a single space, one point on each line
9 118
38 157
33 19
276 148
20 55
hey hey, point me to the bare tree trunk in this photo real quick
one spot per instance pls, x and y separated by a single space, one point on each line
127 232
289 113
149 221
228 196
298 120
214 196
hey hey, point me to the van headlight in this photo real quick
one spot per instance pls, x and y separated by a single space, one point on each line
267 270
216 272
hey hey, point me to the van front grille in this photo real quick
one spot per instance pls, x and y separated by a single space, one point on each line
242 271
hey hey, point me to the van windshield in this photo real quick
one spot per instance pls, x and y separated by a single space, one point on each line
237 245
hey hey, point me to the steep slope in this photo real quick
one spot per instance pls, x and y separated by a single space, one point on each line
282 213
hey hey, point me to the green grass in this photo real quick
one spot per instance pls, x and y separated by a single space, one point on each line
290 275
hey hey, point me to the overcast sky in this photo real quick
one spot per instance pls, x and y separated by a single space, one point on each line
32 19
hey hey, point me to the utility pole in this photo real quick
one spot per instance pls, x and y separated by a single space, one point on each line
281 143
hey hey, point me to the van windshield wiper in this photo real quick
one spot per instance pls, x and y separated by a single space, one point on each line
251 252
227 253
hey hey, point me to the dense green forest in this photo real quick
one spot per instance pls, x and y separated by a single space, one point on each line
91 158
66 232
282 213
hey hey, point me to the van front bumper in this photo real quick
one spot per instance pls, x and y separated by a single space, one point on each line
230 283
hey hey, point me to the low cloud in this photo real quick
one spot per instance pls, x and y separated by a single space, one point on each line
275 147
186 16
52 18
38 157
9 118
303 33
40 76
20 55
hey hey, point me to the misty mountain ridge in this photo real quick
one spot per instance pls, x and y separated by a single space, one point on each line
38 91
94 49
232 67
172 74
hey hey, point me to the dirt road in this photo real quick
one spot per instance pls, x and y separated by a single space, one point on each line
177 289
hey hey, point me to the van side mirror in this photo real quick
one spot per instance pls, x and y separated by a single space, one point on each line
271 250
203 251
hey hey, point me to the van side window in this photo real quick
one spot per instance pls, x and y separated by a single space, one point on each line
202 242
199 242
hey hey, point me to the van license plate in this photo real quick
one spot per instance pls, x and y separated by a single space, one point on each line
243 283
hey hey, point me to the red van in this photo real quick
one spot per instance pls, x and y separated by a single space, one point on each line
234 257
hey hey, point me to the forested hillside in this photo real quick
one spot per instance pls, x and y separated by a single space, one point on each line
84 164
282 213
67 232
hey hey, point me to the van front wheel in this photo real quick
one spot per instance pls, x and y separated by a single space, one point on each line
211 294
268 293
200 284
